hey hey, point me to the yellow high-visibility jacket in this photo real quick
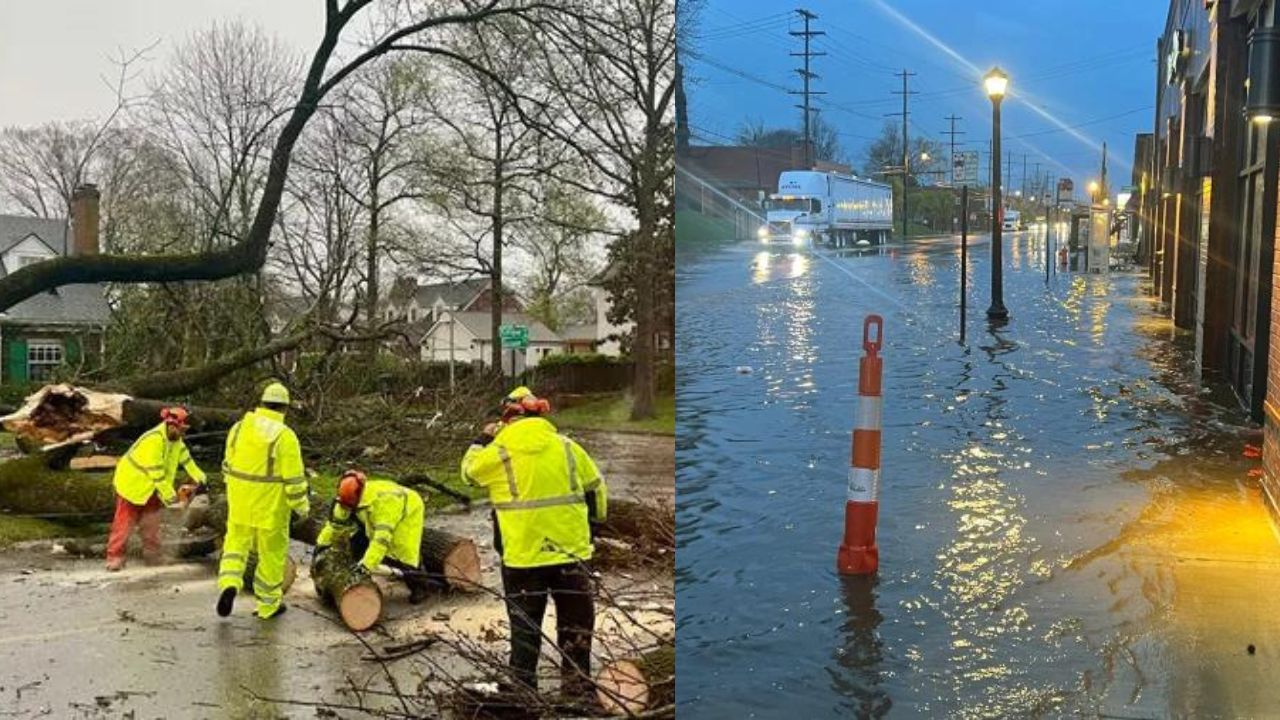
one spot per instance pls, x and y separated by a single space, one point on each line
537 481
263 471
392 519
151 465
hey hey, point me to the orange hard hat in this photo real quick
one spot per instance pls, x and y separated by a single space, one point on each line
176 416
350 488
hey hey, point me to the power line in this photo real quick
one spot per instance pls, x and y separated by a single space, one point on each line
906 93
953 133
806 76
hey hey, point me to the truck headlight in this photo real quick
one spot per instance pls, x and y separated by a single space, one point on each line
763 232
800 236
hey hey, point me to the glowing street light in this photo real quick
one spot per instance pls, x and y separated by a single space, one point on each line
1093 191
996 83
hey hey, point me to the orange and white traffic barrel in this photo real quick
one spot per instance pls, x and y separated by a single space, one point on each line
858 553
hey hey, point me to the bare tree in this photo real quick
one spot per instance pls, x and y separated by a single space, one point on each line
500 152
383 121
611 64
559 245
249 251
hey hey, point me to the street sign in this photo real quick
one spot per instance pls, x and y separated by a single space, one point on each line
966 168
515 337
1066 191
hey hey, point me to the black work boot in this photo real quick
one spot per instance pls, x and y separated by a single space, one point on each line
225 601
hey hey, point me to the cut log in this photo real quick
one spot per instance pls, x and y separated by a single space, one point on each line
451 556
94 462
645 682
58 414
353 593
639 523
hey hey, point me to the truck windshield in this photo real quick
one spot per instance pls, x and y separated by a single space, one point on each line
801 204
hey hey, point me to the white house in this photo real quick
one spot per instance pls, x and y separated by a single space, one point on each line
467 337
606 332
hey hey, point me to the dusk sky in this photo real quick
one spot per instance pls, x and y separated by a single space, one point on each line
1089 65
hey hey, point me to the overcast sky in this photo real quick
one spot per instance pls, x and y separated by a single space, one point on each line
54 53
1087 64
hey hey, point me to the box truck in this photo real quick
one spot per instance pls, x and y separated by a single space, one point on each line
840 210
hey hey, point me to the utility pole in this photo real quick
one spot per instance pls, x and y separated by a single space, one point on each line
906 144
1008 167
806 76
1036 185
1024 174
953 132
1102 188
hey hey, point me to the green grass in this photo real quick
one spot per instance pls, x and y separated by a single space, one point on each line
694 229
613 412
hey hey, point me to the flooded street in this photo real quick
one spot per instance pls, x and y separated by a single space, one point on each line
1067 522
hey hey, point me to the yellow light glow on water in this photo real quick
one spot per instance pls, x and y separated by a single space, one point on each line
760 268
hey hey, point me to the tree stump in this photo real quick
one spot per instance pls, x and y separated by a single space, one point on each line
340 585
645 682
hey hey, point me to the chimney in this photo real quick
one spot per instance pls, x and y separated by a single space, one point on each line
84 220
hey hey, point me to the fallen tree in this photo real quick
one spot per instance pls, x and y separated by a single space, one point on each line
33 485
59 415
644 682
341 586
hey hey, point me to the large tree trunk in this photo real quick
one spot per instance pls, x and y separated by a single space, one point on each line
173 383
639 683
354 594
61 415
33 486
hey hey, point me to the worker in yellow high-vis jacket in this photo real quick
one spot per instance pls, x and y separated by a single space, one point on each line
388 539
546 491
265 481
144 483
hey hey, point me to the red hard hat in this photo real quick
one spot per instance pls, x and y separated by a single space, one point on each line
350 488
526 404
176 416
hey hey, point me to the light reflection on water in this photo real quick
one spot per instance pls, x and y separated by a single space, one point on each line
1009 465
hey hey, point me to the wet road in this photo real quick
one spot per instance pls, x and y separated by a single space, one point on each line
1067 522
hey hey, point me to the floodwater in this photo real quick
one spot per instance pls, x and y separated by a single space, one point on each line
1067 521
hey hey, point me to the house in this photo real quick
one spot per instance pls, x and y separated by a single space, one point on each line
580 339
60 326
608 335
467 337
424 304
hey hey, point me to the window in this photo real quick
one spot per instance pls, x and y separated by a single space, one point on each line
25 260
43 356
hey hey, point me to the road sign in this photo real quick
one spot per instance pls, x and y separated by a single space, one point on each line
515 337
1065 191
966 168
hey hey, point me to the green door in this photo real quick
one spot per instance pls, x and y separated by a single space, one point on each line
16 371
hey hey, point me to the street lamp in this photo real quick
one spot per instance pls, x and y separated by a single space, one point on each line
996 83
1093 191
